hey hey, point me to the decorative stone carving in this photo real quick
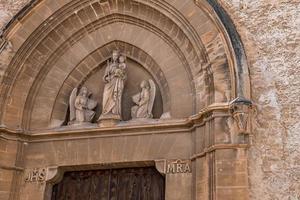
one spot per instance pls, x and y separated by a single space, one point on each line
166 115
36 175
81 106
144 100
114 79
178 166
240 109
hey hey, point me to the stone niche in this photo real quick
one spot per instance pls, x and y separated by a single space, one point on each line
136 73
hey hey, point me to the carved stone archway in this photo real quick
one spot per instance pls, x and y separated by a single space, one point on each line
190 49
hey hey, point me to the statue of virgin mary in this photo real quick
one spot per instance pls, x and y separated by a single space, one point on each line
114 78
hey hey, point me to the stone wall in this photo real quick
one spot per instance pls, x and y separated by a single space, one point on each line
8 9
270 31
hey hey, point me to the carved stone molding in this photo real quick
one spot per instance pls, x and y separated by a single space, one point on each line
162 126
193 52
241 110
54 175
160 165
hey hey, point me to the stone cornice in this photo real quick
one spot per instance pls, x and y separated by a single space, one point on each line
219 146
124 129
14 168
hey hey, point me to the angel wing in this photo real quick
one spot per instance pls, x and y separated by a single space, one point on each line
152 96
72 104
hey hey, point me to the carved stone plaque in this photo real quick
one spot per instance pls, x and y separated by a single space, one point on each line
178 166
36 175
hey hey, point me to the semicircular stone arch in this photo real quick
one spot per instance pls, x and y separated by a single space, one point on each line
61 68
51 40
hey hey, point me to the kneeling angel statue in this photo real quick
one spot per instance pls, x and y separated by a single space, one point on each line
144 101
81 106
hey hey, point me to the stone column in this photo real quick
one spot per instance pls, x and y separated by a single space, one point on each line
220 153
10 167
201 164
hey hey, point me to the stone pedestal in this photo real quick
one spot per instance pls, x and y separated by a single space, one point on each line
108 120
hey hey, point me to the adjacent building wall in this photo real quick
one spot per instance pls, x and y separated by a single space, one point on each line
270 31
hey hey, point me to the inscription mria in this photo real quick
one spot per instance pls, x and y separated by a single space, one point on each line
36 175
178 166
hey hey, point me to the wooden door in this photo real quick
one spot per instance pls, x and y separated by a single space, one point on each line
113 184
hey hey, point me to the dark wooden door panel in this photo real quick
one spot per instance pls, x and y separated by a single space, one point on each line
113 184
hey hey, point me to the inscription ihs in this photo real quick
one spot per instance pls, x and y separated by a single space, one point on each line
36 175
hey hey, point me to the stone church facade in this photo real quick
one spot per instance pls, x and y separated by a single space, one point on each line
149 99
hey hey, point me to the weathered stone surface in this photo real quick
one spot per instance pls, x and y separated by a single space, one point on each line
9 8
270 31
